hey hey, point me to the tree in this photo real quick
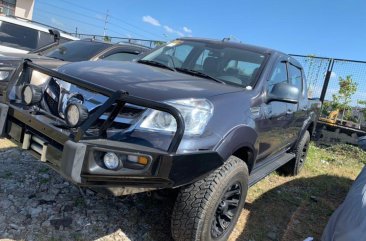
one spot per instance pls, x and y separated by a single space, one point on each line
363 109
107 39
342 100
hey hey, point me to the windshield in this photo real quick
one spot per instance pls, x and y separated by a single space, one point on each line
16 36
230 65
75 51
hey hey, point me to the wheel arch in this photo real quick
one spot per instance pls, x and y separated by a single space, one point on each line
239 142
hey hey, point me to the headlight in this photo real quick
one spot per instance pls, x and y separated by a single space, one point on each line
5 73
111 161
75 114
196 114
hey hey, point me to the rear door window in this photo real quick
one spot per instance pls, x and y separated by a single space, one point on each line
75 51
16 36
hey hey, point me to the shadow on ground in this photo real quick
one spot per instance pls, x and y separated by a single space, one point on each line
293 211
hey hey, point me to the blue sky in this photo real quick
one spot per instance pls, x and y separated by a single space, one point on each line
325 28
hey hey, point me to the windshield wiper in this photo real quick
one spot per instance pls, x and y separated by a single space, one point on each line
200 74
155 63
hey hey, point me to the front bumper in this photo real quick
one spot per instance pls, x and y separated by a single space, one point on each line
76 160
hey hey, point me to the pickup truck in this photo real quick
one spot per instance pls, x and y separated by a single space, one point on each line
207 118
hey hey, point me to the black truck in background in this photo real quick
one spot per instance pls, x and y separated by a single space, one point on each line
205 117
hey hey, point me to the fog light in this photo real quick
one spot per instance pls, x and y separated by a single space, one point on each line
111 161
31 94
75 114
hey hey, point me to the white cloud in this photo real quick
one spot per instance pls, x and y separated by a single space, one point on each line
151 20
187 30
57 22
171 30
333 75
168 29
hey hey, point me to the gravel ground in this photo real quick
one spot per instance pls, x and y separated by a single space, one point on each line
38 204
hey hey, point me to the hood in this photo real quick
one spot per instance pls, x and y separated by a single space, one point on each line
35 58
146 81
20 56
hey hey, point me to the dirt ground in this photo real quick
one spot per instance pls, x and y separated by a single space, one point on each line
38 204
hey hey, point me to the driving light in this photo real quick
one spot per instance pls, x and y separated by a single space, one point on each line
111 161
196 114
75 114
143 160
4 74
31 94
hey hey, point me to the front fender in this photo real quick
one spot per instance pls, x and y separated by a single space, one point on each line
239 137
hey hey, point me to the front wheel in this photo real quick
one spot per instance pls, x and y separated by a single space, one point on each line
208 209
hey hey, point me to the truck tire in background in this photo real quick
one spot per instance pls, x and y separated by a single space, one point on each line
209 209
294 167
362 142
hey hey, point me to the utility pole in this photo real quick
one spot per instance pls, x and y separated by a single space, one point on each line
105 23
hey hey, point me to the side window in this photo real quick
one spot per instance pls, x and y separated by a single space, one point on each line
279 75
121 57
295 76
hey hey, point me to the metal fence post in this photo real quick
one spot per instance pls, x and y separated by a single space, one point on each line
326 80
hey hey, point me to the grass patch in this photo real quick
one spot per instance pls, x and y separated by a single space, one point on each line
294 208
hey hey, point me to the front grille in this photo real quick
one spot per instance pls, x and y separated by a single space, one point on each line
52 96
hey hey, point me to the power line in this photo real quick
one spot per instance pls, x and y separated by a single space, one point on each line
87 16
73 19
69 10
73 4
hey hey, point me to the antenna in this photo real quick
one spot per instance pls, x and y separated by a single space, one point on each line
105 23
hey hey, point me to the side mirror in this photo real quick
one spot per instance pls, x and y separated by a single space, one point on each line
284 92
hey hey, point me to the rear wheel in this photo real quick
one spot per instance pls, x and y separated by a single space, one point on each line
293 167
209 209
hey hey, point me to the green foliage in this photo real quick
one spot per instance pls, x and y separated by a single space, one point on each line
342 99
159 43
363 111
107 39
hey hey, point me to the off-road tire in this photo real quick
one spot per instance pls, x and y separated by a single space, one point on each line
196 207
294 167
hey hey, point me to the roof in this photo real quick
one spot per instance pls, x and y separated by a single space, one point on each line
34 25
233 44
116 44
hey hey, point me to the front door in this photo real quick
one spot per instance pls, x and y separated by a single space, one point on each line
273 119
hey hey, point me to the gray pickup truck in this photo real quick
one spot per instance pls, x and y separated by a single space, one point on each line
204 117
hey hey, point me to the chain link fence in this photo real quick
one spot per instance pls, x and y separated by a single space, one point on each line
341 86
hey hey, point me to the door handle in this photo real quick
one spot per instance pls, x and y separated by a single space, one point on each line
289 112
